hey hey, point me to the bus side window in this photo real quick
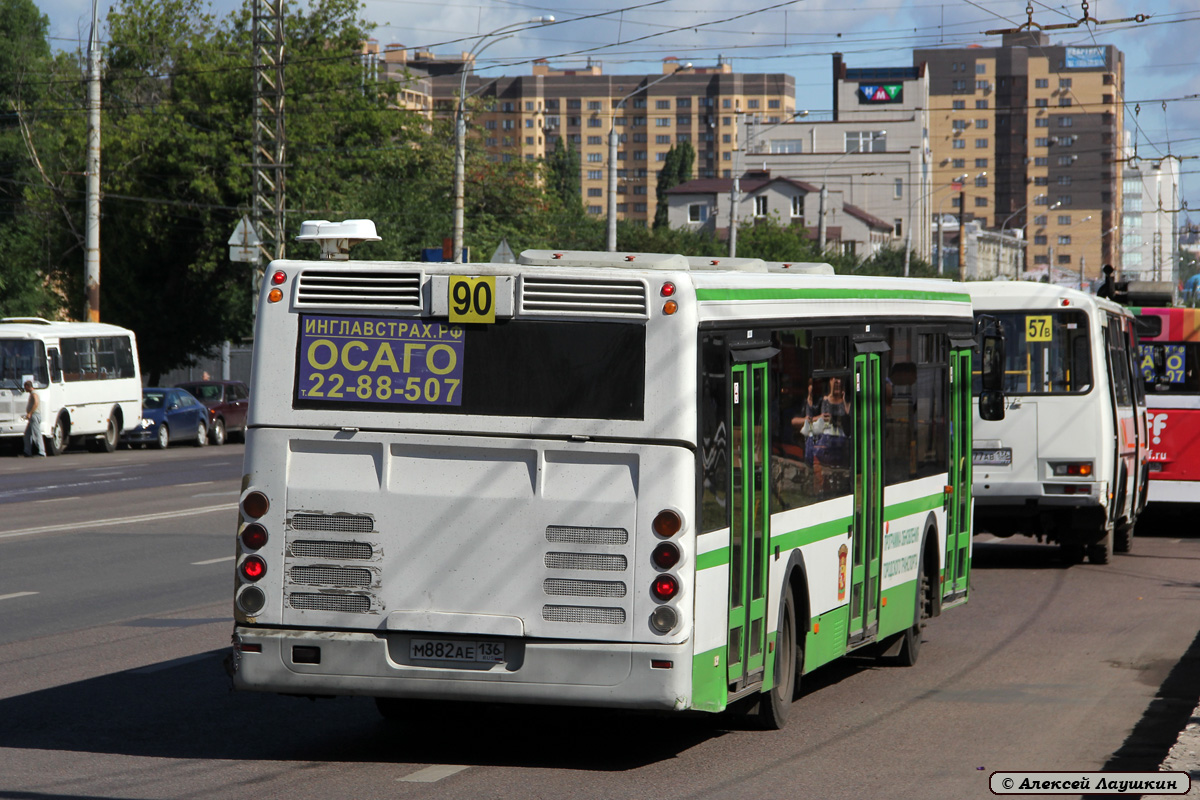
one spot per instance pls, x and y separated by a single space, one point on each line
56 375
714 435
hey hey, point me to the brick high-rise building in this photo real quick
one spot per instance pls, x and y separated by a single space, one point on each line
1045 123
524 117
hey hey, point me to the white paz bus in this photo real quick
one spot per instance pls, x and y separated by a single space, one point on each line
597 479
86 376
1069 462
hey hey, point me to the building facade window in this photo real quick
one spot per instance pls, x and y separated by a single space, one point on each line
798 206
1041 83
958 163
1064 239
595 157
594 192
760 206
959 144
865 142
1064 219
898 188
981 144
981 103
1040 102
981 163
959 104
698 212
981 202
981 124
787 145
662 104
595 140
595 174
1041 122
1066 122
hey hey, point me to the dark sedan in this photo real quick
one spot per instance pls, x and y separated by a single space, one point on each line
227 403
169 414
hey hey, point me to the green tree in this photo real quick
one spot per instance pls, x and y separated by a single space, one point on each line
563 174
30 199
677 169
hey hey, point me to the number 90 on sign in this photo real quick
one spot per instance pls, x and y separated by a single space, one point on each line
472 299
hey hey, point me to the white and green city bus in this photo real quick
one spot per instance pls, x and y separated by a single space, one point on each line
597 479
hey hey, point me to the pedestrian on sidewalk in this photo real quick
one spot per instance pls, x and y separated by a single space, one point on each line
33 429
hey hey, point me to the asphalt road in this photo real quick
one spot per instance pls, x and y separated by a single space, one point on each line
115 584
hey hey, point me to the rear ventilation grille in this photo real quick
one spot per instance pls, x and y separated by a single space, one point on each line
585 297
331 576
590 561
561 534
605 616
335 523
573 588
391 290
352 603
308 548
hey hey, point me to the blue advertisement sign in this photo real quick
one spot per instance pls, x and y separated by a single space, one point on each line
376 360
1085 58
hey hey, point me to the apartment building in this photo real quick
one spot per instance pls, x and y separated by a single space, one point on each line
1036 128
525 117
1150 206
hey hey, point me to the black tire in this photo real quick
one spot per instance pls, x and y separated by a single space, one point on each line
217 432
164 437
774 705
112 435
1101 552
201 434
910 645
1123 537
56 443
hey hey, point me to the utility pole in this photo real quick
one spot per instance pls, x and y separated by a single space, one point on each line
267 211
962 235
91 283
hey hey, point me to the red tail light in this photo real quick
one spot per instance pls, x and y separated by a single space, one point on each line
665 556
664 588
254 536
253 568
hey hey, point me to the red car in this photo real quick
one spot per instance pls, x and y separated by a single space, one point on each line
227 403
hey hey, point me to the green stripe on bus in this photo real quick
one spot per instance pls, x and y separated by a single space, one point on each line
825 530
709 295
713 558
928 503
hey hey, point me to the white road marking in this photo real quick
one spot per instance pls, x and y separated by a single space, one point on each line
58 499
434 773
231 492
15 595
212 561
197 483
104 523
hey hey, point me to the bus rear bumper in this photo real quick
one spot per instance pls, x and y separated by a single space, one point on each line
1173 491
608 674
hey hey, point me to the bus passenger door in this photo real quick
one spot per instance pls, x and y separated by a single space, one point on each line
958 511
749 534
868 499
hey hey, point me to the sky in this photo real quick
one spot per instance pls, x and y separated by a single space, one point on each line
1162 61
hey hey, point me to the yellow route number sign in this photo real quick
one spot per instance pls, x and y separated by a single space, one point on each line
472 299
1037 329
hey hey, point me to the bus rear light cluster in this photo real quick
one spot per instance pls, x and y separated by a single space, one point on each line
253 568
255 505
275 295
1081 469
279 277
665 556
254 536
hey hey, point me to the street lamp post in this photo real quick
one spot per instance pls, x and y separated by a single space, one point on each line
941 259
460 125
1000 248
612 155
825 189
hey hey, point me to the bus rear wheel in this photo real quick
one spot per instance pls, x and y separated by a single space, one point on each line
774 705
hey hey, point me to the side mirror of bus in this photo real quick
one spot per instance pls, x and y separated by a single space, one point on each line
991 406
992 366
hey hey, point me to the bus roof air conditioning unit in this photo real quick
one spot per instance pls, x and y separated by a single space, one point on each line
336 238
